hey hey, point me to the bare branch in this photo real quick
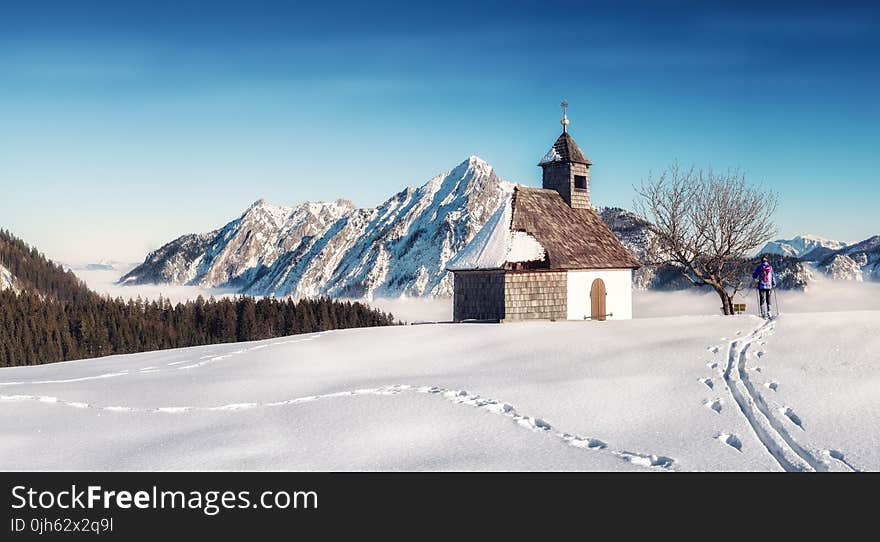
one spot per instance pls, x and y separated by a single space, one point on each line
706 223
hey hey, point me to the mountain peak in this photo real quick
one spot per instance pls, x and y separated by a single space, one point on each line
342 202
473 162
262 210
801 245
817 238
400 247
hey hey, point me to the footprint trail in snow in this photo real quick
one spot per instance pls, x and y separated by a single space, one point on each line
460 397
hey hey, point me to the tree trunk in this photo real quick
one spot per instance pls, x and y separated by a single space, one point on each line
726 300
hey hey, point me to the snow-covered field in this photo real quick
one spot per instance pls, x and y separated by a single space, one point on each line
802 393
654 394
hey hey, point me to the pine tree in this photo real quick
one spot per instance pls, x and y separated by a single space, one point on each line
56 317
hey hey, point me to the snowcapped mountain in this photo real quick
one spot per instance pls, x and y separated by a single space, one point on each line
398 248
857 262
800 246
229 256
401 247
842 261
633 232
104 265
100 265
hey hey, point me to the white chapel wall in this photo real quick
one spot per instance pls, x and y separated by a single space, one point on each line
618 284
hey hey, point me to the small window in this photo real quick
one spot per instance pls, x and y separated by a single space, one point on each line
580 181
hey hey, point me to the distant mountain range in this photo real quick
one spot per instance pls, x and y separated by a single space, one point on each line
401 247
334 249
801 246
837 259
860 261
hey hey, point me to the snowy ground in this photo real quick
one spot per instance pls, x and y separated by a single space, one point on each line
662 392
656 394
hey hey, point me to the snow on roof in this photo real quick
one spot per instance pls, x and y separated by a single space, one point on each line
524 248
550 157
495 244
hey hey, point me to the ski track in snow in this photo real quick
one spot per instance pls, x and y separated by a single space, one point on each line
769 429
460 397
192 364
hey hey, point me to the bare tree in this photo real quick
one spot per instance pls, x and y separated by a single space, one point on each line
705 224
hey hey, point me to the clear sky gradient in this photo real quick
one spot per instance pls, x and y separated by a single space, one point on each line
123 127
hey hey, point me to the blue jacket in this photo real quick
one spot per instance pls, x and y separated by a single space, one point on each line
759 272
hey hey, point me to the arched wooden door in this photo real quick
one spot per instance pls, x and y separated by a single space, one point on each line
597 300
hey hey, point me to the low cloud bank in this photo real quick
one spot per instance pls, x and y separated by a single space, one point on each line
823 295
416 309
103 281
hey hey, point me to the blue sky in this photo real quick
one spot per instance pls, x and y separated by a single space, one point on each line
123 127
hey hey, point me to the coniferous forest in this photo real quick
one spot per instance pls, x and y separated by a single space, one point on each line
55 317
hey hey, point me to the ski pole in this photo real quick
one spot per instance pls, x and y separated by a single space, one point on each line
776 300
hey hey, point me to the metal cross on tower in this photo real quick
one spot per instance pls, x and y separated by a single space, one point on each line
564 120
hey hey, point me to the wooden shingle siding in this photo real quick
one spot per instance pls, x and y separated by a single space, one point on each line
580 198
535 295
479 295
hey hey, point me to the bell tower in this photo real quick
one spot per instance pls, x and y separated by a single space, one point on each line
566 169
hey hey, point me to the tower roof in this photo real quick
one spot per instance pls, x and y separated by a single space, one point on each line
565 150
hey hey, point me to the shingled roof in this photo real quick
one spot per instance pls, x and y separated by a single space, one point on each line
568 238
565 150
572 238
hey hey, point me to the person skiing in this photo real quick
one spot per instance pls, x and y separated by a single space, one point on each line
765 280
